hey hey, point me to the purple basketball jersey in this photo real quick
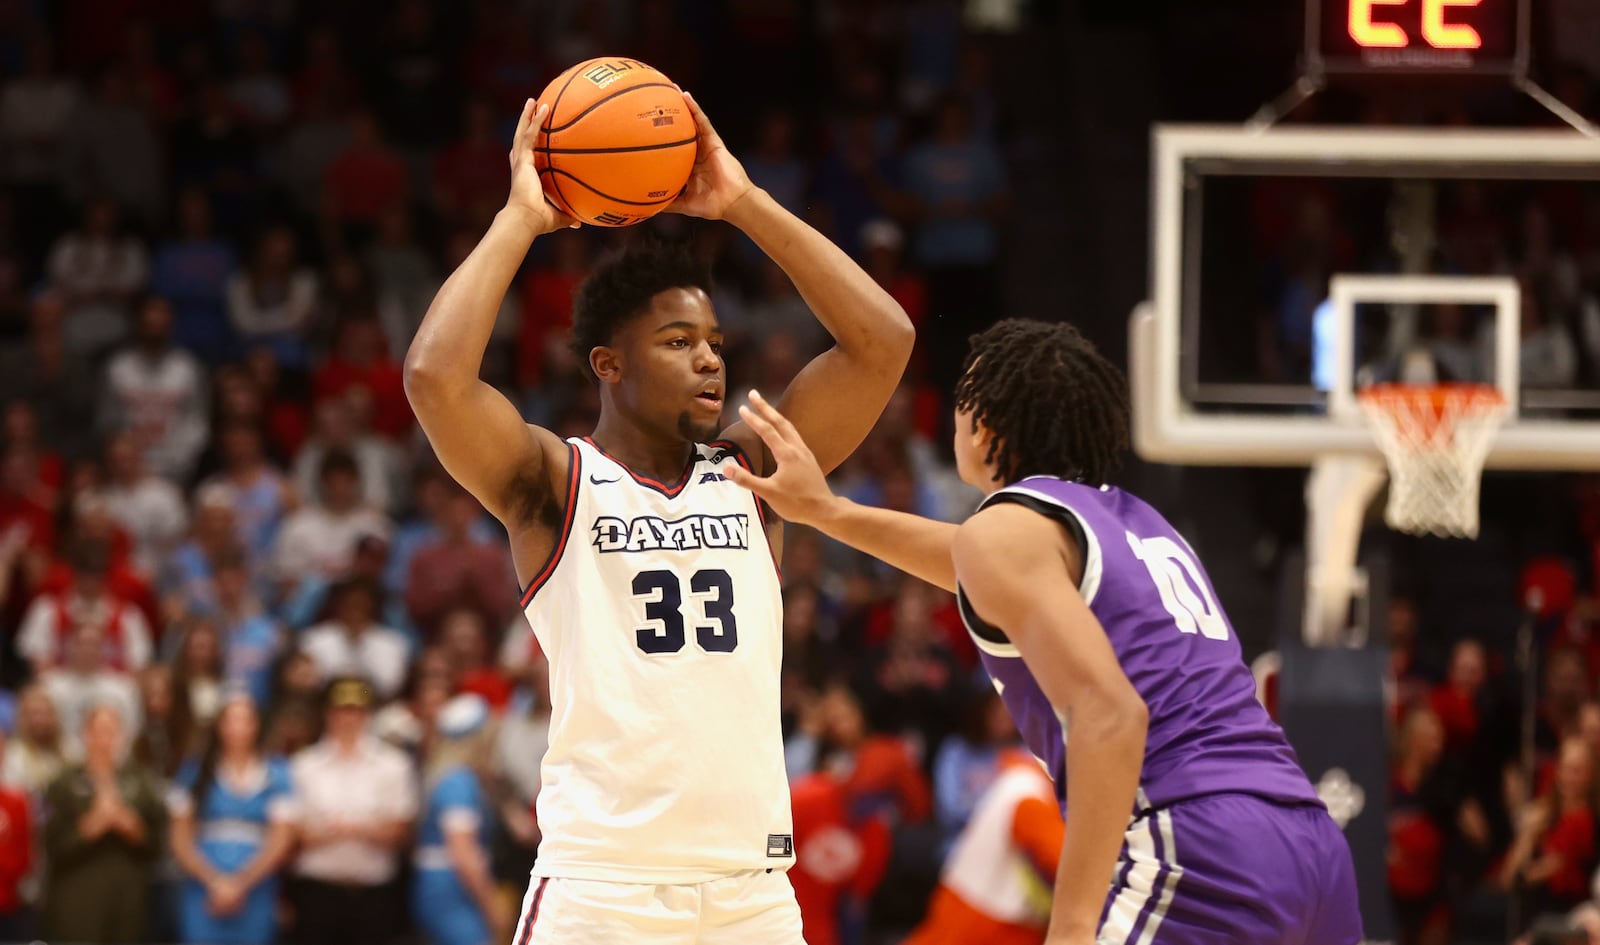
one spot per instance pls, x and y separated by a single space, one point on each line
1207 733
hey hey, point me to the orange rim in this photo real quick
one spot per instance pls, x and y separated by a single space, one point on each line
1476 396
1427 402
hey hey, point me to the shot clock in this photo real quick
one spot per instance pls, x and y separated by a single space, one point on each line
1467 36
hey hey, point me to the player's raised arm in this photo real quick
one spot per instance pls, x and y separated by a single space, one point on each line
1020 573
477 433
836 398
797 491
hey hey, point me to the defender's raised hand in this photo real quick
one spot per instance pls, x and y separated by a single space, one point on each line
718 180
527 191
796 490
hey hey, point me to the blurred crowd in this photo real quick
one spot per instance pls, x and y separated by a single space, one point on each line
1494 798
265 674
1544 234
263 671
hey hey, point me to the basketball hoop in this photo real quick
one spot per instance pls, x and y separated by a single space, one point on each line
1436 438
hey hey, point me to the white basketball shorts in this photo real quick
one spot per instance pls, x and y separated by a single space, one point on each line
756 906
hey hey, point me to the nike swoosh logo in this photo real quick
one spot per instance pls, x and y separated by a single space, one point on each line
601 482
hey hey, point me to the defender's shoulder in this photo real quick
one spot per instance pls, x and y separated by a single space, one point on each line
1001 531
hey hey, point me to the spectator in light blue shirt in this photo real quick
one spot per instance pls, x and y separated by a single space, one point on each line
959 183
251 638
967 764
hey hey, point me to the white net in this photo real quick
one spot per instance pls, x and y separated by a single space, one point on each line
1436 438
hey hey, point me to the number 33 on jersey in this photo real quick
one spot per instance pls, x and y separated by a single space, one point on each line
660 611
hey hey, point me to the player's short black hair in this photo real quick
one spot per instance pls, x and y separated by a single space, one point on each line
1056 406
621 286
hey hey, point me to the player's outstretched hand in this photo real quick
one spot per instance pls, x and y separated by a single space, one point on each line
796 490
718 180
527 191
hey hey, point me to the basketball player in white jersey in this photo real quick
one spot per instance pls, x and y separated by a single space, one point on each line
649 579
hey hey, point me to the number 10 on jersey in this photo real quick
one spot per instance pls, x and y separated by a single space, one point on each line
662 594
1182 588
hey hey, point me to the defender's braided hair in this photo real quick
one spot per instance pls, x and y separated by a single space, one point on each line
1055 405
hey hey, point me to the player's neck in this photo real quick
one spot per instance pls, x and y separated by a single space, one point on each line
648 454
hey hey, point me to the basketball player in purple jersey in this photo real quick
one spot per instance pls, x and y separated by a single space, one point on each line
1100 629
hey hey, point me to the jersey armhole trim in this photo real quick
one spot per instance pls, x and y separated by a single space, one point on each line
991 639
987 637
574 473
1067 517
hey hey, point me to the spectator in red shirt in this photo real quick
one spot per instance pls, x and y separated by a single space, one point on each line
92 524
287 420
470 176
360 359
23 503
1456 702
1554 854
465 642
365 178
839 859
547 303
1418 819
22 432
16 859
879 772
27 540
457 570
913 682
88 600
922 603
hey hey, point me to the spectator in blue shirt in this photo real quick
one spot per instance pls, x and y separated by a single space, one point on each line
192 273
251 638
957 183
453 897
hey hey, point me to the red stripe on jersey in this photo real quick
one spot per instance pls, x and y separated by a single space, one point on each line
646 481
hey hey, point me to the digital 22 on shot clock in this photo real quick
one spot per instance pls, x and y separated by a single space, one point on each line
1416 35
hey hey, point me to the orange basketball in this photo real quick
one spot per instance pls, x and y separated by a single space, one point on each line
618 144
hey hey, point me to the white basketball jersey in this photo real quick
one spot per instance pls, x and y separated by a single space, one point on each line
661 615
